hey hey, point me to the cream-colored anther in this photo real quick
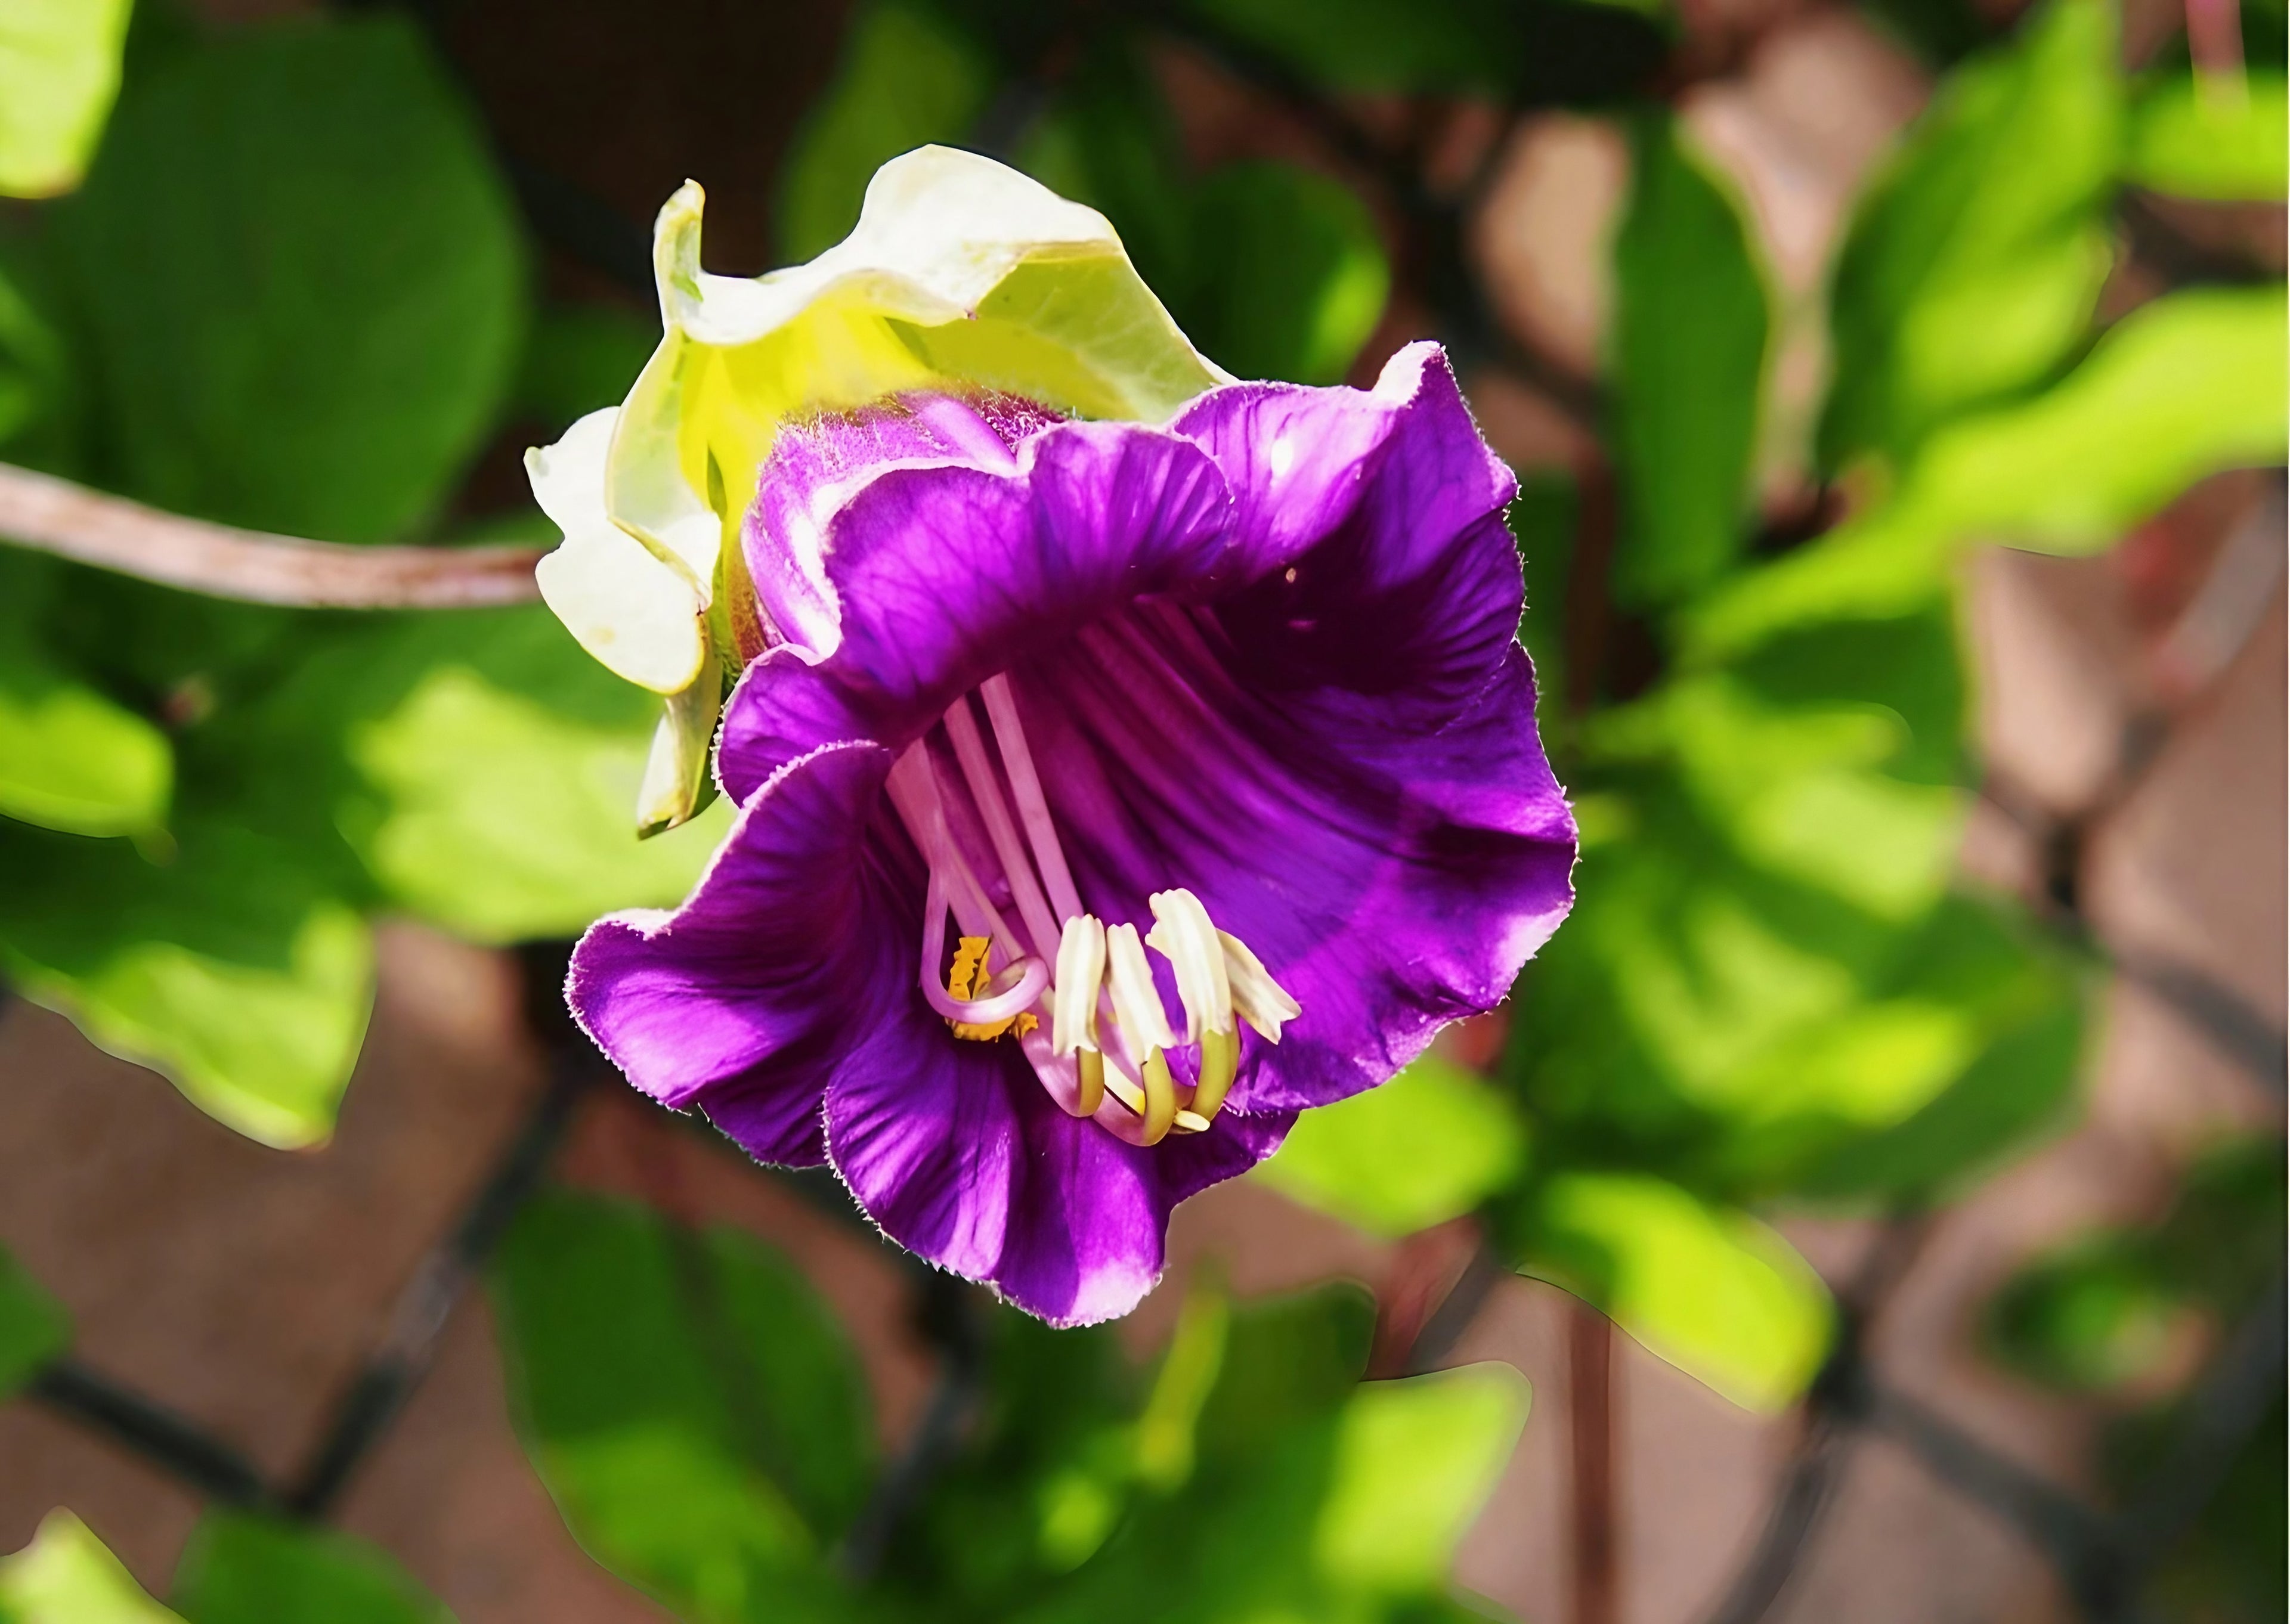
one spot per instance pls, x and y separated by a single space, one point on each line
1181 934
1136 1001
1261 1001
1081 971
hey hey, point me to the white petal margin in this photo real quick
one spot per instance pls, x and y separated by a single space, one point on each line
637 615
960 271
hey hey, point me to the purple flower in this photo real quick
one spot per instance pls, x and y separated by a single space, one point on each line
1244 690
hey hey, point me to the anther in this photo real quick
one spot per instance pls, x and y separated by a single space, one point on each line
1257 998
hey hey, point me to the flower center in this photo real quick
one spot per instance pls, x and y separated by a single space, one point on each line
1107 1051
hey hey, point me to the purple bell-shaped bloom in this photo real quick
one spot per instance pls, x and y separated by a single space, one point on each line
1108 793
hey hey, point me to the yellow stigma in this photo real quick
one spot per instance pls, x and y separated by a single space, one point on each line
969 960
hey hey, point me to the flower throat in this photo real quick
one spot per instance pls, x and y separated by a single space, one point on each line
1105 1053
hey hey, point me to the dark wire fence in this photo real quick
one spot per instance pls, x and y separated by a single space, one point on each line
2101 1558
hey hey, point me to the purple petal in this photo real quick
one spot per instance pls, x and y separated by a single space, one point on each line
815 466
748 990
947 573
1383 512
957 1151
1391 879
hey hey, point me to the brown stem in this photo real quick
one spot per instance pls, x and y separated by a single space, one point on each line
1590 1384
55 516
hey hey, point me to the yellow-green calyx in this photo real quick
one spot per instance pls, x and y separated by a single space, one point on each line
961 274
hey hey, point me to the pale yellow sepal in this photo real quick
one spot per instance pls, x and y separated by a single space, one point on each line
637 616
675 783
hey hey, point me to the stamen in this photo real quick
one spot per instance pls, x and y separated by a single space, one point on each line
1259 999
1106 1054
1182 934
1136 1001
1081 971
1026 785
1220 1064
1160 1097
978 772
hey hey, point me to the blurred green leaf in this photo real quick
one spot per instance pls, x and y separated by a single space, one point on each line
302 279
2109 1308
2022 1081
1108 140
579 359
71 758
1414 1460
2184 387
34 368
1293 276
1301 1495
496 762
1542 521
906 79
690 1403
2086 1319
2209 141
1426 1146
65 1576
34 1327
1689 351
59 72
233 965
1971 268
1712 1290
1536 52
239 1569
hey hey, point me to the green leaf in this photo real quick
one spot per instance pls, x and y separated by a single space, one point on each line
694 1408
906 79
302 280
1689 350
1293 275
2184 387
1427 1145
36 373
1537 52
1301 1495
1710 1289
34 1327
2022 1083
496 765
65 1576
239 1569
2180 389
70 757
2211 141
59 72
1414 1460
1765 968
1971 268
580 358
1108 140
2112 1307
1542 521
232 966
